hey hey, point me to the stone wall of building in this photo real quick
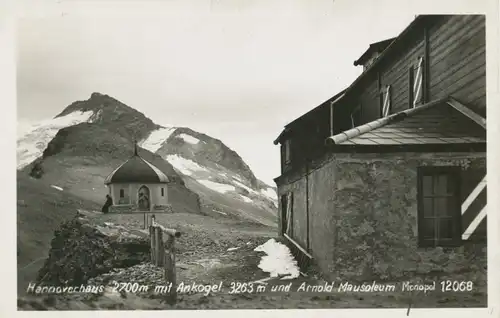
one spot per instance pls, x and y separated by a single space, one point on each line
363 217
376 217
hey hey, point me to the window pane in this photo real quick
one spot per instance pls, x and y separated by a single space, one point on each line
441 207
427 185
446 230
440 184
428 207
427 228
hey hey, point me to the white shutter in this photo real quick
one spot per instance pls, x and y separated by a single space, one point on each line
479 211
387 102
417 83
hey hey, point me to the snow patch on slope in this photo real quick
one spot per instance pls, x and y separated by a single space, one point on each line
246 199
34 140
219 187
245 187
237 178
189 139
185 166
156 138
56 187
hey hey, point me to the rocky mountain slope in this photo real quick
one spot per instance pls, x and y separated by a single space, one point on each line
218 174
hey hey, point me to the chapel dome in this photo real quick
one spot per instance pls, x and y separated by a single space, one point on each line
136 170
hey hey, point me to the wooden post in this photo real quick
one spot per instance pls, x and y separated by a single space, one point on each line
169 266
159 246
152 238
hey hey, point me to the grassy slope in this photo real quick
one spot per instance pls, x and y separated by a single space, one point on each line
40 210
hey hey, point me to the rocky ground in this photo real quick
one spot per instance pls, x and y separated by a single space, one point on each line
109 251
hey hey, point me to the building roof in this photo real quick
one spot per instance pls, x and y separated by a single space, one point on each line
444 121
136 170
388 46
374 47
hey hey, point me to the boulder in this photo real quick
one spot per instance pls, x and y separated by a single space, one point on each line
82 249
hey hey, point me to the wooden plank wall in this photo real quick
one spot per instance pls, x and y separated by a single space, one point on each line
396 73
369 98
457 66
457 59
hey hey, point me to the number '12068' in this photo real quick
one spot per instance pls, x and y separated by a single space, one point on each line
456 286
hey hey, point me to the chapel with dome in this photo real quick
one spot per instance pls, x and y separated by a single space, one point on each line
137 185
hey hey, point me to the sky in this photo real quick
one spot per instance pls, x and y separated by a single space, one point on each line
236 70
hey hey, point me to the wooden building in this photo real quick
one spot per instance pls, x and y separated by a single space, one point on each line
138 186
389 176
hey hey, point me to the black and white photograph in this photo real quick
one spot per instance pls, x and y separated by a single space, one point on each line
213 155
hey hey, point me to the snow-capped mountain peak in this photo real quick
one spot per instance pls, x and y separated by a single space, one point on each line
34 139
187 151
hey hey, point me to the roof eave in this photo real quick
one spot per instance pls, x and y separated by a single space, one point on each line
437 148
373 47
357 131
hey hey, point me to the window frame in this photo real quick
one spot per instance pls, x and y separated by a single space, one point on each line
284 203
456 215
162 191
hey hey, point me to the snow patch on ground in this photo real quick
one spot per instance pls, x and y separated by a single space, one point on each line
185 166
270 193
56 187
278 261
33 139
219 187
233 249
189 139
156 138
